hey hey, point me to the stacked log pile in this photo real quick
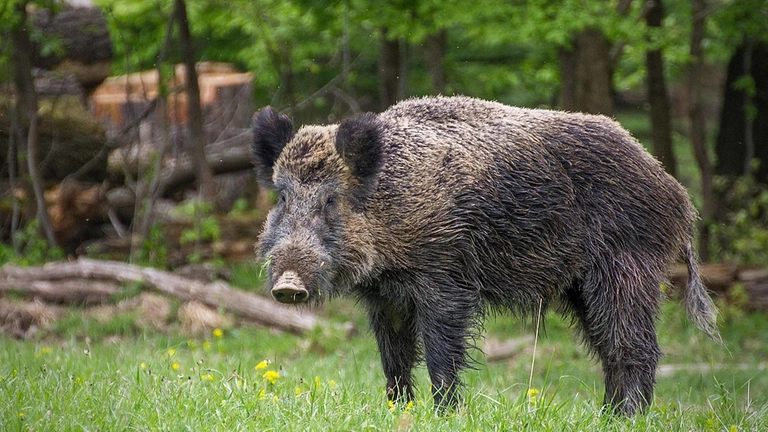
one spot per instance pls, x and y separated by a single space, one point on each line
722 279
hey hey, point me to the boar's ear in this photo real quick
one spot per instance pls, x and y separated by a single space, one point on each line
271 132
358 142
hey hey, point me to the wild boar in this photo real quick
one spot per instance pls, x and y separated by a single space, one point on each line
439 209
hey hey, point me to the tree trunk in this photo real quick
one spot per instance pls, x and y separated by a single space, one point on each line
389 70
730 147
26 105
434 49
195 113
587 74
658 99
698 126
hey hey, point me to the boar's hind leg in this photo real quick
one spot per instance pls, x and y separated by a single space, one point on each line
397 340
616 310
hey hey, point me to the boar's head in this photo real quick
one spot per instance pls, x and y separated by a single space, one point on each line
316 240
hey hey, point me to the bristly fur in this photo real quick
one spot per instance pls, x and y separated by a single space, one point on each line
358 142
472 205
271 132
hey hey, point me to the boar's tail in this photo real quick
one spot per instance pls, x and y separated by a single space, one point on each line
701 310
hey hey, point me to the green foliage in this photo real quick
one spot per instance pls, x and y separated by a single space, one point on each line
153 250
33 248
206 226
506 51
742 233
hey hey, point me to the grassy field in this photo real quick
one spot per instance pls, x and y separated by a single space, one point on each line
89 376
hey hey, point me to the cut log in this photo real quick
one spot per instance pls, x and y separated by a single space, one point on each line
721 278
215 294
232 159
86 48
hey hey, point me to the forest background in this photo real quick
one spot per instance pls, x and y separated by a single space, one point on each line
688 78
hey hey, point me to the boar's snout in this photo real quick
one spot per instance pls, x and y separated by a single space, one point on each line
290 289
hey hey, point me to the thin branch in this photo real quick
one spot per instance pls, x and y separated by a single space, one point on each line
328 87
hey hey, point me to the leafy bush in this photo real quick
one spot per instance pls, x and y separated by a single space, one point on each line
31 248
741 232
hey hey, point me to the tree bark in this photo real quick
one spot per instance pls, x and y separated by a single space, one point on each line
70 292
389 70
698 126
195 112
587 74
26 105
658 98
730 147
434 49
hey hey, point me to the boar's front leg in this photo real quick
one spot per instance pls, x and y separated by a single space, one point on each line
395 331
445 321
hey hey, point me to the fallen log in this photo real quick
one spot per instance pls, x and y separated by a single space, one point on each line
85 292
215 294
668 370
496 350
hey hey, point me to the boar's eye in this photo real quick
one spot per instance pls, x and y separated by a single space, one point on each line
281 198
330 204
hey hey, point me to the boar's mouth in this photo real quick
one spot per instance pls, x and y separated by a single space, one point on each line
290 289
299 274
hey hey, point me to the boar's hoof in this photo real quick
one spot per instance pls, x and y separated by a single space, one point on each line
290 289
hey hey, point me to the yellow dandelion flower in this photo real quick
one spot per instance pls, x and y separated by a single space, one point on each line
533 392
206 377
218 333
206 345
298 391
21 415
275 398
262 394
733 428
332 384
271 376
262 364
391 405
143 365
175 366
409 406
171 352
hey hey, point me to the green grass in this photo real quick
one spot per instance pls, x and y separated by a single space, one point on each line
152 381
